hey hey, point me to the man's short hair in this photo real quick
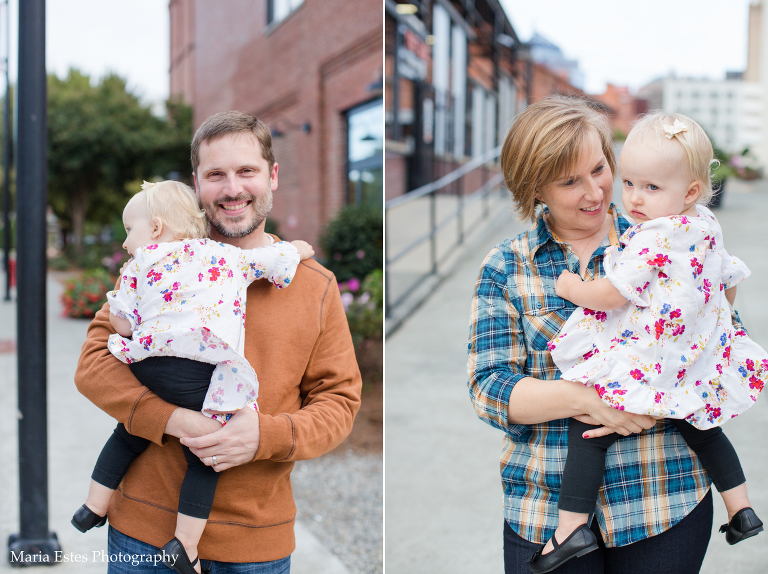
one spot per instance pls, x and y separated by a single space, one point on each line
226 123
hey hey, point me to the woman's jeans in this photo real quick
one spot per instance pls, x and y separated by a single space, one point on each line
585 463
184 383
127 555
679 550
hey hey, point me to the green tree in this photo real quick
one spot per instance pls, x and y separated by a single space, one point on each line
101 138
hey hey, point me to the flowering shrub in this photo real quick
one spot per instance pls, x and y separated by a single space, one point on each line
353 242
745 165
85 295
364 305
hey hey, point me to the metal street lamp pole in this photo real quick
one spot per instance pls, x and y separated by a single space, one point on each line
34 539
7 155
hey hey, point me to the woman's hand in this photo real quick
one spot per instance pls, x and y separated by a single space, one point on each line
565 282
612 420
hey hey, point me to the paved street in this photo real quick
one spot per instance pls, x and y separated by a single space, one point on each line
443 491
76 432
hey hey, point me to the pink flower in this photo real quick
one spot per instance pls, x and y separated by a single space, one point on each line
353 284
601 316
636 374
346 299
658 261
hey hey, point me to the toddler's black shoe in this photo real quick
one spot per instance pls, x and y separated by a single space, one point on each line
85 519
744 524
175 557
580 542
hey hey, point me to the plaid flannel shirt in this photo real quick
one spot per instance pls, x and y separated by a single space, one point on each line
652 479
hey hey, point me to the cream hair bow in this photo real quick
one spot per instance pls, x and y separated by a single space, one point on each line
673 130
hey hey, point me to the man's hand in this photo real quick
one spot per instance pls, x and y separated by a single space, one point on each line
234 444
565 282
305 250
185 423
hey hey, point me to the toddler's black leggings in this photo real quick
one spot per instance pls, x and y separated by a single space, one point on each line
184 383
585 463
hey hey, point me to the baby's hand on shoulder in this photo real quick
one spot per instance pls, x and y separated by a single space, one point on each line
305 249
565 282
125 266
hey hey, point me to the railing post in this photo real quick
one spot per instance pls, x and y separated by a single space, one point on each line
486 193
433 227
460 208
387 312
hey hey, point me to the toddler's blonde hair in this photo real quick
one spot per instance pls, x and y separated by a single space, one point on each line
175 204
698 154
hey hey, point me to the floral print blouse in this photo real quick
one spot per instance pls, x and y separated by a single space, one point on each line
671 351
187 299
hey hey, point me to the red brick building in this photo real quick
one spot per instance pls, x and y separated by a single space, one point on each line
310 69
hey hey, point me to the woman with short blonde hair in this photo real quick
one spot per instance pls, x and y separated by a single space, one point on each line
558 155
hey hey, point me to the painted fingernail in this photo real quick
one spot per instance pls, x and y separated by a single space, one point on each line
585 435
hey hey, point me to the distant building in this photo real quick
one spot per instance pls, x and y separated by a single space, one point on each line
623 108
730 111
546 52
312 71
451 86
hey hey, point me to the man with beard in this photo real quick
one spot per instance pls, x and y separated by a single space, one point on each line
297 339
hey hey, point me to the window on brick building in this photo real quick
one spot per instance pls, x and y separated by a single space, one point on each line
278 10
365 153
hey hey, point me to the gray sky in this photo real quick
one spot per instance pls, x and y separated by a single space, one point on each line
620 41
129 37
630 43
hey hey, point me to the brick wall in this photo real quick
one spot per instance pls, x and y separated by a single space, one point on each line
310 68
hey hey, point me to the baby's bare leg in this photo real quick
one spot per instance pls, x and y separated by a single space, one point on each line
189 530
98 498
735 499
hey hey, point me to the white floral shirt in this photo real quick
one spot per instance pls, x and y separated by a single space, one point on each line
187 299
671 351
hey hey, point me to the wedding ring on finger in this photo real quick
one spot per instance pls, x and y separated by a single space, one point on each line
213 458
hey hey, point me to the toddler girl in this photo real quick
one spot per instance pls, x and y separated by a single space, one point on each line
655 336
180 313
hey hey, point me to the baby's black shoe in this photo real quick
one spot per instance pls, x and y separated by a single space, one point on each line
85 519
744 524
175 557
580 542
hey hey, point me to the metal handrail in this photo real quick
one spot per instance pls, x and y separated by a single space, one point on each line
431 189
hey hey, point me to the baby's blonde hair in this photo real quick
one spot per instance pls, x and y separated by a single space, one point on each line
650 130
175 204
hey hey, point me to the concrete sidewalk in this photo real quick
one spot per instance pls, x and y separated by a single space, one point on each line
76 432
443 491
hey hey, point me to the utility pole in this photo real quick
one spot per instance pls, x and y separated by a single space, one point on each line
34 540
